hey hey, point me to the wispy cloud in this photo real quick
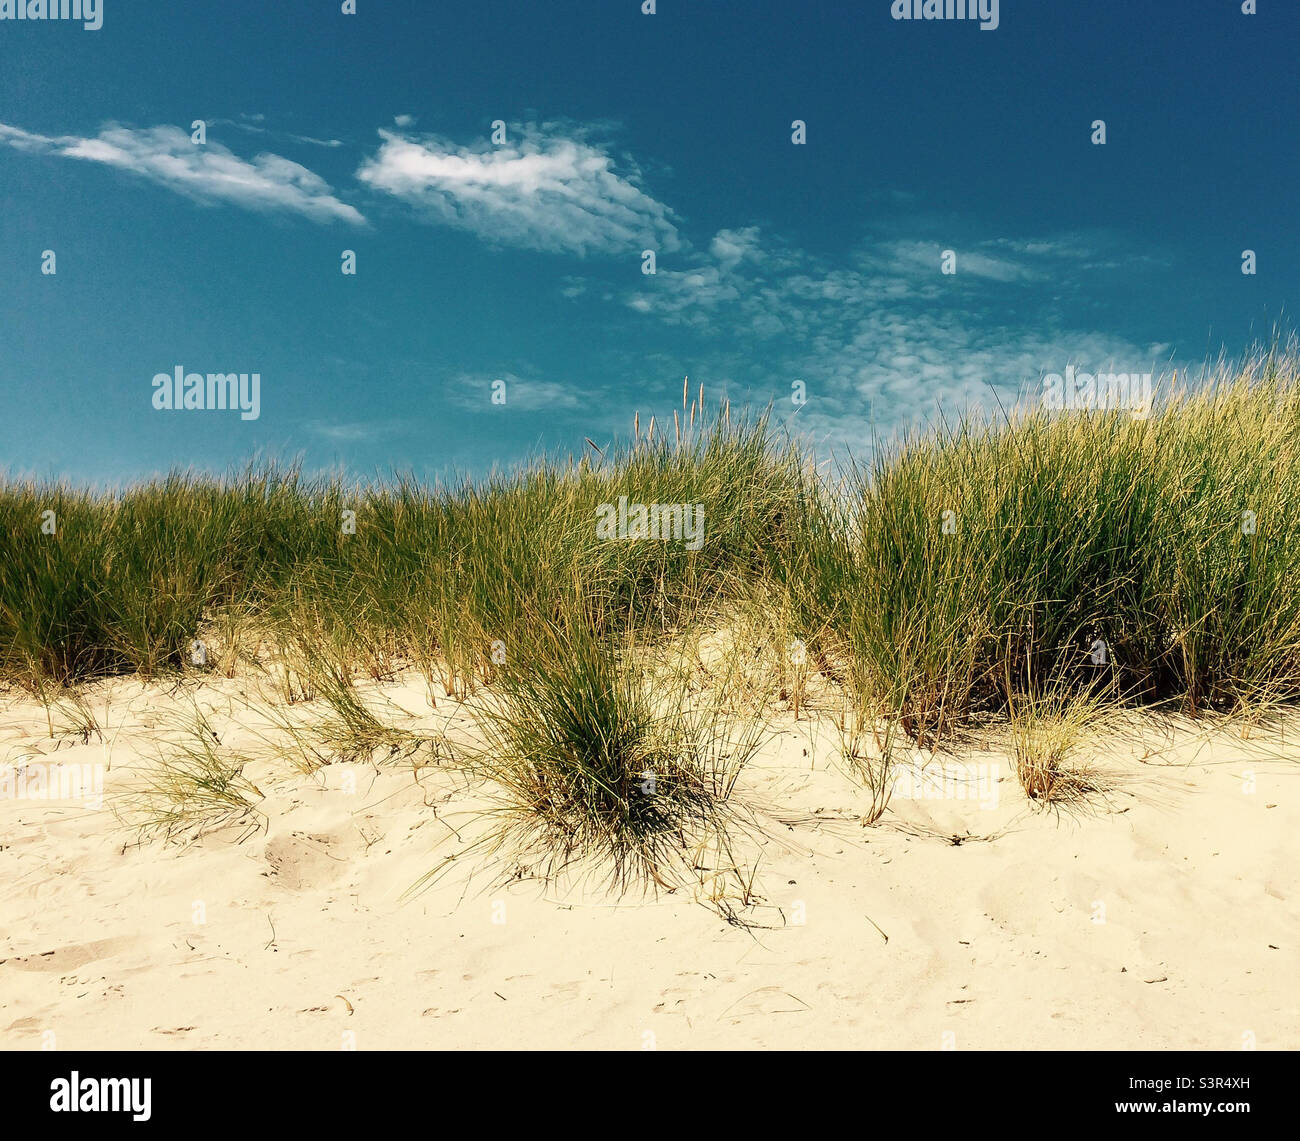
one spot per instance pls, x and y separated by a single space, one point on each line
550 188
357 431
912 257
251 124
1071 247
474 393
207 174
868 335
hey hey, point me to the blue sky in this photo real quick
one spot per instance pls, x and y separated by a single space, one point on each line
522 261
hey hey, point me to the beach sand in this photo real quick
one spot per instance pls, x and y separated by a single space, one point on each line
1161 915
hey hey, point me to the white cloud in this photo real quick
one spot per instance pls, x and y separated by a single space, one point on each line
882 370
357 431
208 174
1068 247
732 246
474 393
878 342
757 278
925 258
542 191
249 126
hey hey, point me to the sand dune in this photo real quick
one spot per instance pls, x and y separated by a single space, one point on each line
949 923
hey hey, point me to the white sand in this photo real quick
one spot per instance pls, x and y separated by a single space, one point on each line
305 944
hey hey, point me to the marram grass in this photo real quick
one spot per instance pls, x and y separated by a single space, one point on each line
954 572
992 554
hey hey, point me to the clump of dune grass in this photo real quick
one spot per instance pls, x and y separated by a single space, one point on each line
1169 536
234 638
349 733
603 753
352 731
76 717
193 786
318 660
1051 733
868 744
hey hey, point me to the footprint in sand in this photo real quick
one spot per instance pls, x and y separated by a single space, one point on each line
301 862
